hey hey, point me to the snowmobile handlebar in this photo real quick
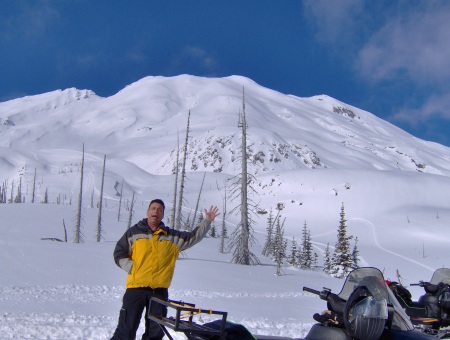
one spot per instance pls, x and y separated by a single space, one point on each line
429 287
334 301
310 290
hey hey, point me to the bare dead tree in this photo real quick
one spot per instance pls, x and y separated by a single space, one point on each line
120 202
65 231
100 204
78 233
130 216
198 202
177 165
183 176
223 233
242 236
33 190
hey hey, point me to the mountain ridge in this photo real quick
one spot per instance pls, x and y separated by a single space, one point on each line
140 125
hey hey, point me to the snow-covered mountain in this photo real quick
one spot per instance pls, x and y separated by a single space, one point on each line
289 138
311 154
141 124
295 144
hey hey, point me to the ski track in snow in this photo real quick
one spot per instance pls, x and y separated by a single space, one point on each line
78 326
379 246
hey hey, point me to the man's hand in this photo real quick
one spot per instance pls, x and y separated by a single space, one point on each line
212 213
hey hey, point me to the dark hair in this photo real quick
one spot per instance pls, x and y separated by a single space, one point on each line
157 200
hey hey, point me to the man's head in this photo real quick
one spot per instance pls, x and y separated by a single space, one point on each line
155 213
157 200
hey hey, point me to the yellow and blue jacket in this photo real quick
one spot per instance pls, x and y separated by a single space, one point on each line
149 257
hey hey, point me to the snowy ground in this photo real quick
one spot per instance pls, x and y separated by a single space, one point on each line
55 290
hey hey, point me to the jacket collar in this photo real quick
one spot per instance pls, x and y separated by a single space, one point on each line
144 226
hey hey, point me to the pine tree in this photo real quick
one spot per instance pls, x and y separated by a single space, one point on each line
327 260
293 257
45 201
305 257
342 261
268 246
355 255
316 260
279 252
18 198
212 231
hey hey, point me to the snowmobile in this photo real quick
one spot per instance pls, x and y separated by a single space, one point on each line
431 313
365 309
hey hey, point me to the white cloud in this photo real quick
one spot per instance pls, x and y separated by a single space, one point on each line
201 56
194 57
334 22
414 43
392 43
29 20
434 106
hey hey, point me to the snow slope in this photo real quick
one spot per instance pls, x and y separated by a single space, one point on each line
311 154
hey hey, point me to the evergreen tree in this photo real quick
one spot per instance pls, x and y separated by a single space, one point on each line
212 231
342 261
294 253
18 198
45 201
327 260
355 255
268 246
316 260
279 251
305 257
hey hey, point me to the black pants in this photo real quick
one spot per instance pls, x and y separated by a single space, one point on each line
134 301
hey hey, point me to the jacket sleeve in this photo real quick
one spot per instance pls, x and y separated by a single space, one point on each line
185 239
122 253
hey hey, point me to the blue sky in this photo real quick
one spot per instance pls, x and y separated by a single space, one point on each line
391 58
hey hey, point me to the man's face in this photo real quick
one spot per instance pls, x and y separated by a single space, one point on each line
155 214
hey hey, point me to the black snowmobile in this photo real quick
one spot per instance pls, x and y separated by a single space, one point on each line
365 309
431 313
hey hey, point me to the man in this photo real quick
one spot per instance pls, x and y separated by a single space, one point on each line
147 252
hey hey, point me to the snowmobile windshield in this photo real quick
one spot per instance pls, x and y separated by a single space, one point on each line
441 275
373 279
369 307
370 277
